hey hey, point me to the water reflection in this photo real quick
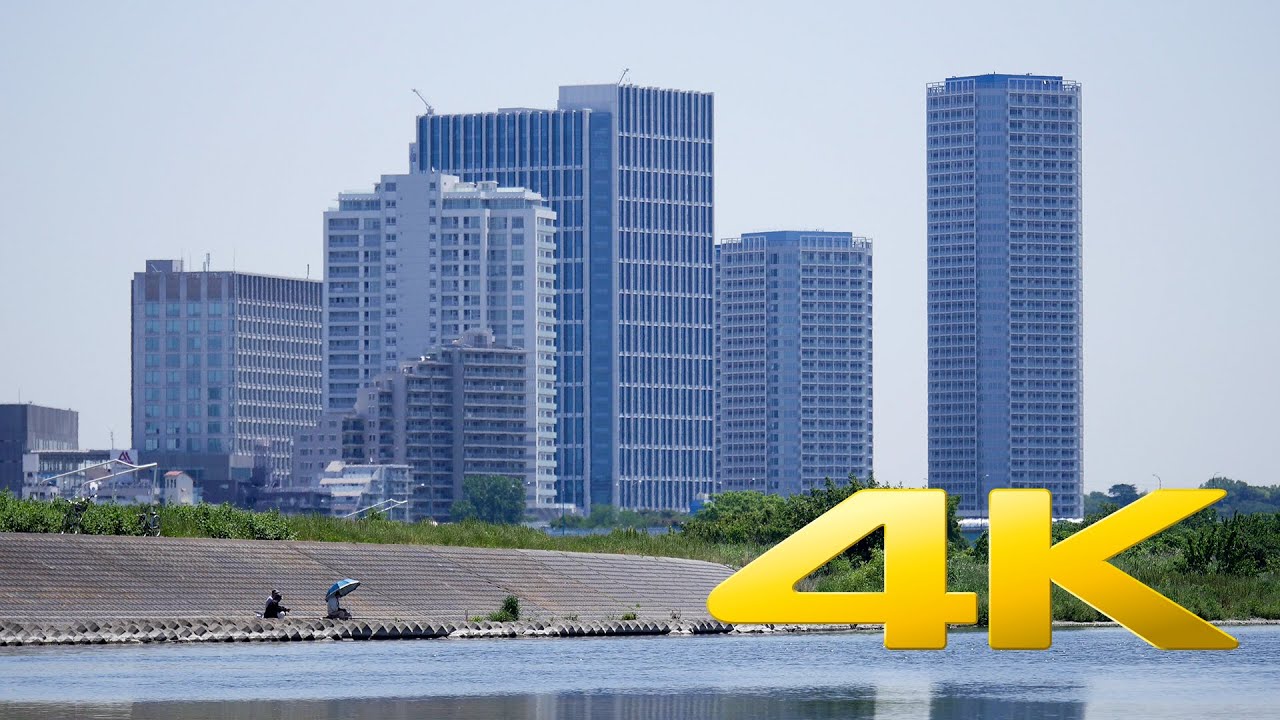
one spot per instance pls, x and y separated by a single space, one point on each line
871 703
1101 674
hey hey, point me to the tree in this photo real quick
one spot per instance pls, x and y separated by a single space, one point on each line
955 536
1096 503
1123 494
490 498
753 517
1244 498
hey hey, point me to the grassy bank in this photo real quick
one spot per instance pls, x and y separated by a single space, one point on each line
476 534
224 521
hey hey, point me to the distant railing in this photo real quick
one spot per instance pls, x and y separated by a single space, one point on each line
390 505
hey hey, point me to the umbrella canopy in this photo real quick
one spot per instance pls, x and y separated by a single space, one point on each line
342 588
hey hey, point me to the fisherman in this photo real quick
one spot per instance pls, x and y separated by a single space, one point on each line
336 612
274 609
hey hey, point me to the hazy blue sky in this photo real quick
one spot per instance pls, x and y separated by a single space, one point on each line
150 130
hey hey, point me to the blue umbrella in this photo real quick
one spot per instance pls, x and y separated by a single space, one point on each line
342 588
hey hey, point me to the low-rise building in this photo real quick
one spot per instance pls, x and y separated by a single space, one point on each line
355 489
27 428
177 488
103 475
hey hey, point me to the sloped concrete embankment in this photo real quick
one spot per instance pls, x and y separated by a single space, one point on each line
74 588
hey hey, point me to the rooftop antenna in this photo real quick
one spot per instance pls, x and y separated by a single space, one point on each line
208 260
430 110
624 75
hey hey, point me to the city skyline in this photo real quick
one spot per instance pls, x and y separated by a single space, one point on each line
1174 238
628 171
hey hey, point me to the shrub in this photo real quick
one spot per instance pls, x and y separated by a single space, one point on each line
30 515
509 612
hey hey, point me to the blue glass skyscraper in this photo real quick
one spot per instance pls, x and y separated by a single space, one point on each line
794 350
1004 288
628 171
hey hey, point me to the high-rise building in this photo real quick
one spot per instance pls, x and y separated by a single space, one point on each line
423 260
1005 363
628 171
458 411
793 348
26 428
226 368
317 446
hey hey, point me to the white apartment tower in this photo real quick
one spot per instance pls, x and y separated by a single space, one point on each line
423 260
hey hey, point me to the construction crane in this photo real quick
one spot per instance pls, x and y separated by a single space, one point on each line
430 110
624 75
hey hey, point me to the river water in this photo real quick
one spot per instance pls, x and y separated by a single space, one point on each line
1089 673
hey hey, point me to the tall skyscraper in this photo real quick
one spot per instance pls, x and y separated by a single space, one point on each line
226 368
793 346
423 260
1005 363
628 171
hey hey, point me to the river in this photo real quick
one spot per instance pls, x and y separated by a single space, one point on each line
1089 673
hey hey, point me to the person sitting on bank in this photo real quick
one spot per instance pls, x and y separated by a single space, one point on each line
274 609
336 612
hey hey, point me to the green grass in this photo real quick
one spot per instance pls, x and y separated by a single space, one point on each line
224 521
476 534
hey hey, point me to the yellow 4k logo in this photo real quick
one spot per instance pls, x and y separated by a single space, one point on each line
915 606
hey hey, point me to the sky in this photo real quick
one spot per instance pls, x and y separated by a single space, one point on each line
139 130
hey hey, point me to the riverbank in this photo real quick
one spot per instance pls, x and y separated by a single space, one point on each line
134 630
221 630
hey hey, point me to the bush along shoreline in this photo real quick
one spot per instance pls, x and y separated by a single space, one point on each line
1220 568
